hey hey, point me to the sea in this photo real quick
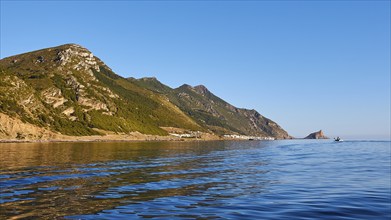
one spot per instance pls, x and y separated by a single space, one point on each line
287 179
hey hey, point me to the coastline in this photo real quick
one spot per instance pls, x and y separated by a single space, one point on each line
113 138
135 137
13 130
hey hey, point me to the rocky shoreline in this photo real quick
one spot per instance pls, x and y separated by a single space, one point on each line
113 138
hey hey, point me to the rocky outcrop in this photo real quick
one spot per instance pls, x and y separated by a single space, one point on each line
53 96
201 89
316 135
79 57
15 129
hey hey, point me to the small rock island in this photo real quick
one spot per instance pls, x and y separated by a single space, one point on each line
316 135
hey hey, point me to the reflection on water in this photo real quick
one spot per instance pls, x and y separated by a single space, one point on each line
272 179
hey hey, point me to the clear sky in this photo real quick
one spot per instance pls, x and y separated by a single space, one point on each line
307 65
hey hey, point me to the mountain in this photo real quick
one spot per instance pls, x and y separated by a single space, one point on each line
66 90
316 135
214 113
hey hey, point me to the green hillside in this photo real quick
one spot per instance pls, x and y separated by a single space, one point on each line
68 90
214 113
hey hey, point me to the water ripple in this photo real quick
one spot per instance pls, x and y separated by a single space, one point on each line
207 180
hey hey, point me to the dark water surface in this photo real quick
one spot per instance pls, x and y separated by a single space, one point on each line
205 180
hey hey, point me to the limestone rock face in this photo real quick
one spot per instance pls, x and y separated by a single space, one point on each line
53 96
316 135
78 56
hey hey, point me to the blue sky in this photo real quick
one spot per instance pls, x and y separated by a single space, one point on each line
308 65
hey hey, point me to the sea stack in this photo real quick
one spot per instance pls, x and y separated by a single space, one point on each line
316 135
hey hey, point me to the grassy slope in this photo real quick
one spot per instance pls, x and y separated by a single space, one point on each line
23 78
193 105
147 106
213 112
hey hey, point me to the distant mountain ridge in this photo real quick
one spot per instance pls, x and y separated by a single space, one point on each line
67 90
214 113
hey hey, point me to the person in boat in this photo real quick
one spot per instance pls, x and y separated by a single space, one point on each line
337 139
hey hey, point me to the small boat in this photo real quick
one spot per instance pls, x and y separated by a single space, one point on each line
338 139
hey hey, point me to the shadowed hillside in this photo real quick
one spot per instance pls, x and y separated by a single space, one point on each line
214 113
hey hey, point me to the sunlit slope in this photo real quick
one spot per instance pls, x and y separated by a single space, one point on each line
68 90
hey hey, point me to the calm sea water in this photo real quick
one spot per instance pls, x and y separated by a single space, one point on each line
223 180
